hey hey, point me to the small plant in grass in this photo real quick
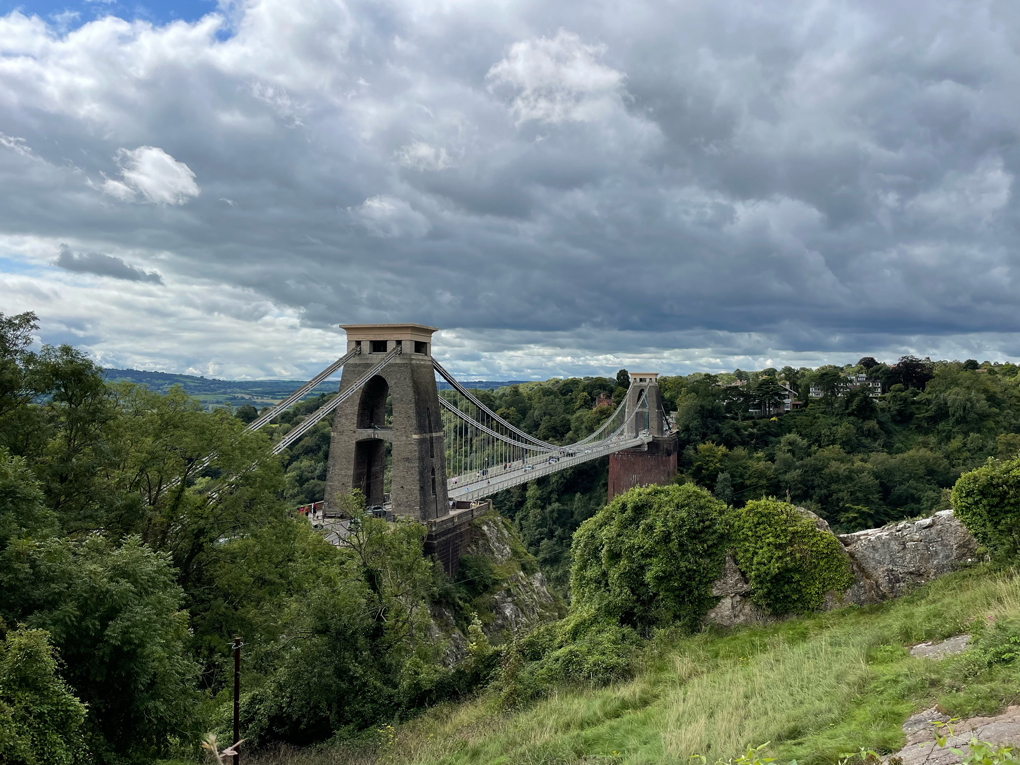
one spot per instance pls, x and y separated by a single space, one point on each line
753 755
978 752
997 642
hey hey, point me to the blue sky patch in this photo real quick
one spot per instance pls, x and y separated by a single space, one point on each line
71 15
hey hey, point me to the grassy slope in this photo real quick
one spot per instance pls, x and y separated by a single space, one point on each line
816 687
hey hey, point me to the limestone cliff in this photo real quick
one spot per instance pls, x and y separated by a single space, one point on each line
886 562
516 597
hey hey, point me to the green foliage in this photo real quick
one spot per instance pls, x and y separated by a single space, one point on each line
583 650
987 502
40 718
789 563
22 512
649 558
997 642
115 615
359 647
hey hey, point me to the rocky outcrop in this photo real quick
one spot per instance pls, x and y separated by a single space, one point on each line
734 606
921 748
886 563
443 631
520 600
893 559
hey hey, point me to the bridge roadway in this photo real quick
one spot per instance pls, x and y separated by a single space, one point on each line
475 486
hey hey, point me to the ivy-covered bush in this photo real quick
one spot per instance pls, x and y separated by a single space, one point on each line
789 563
987 502
649 558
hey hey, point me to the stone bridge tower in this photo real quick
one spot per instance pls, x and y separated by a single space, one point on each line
654 463
652 419
409 427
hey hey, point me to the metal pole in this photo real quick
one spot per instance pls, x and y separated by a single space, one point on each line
237 696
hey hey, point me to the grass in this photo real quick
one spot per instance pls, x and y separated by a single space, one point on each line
815 687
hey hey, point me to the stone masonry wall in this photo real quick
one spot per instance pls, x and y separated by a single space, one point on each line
636 467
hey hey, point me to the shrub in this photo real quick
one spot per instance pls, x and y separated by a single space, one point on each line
649 558
598 657
580 650
987 502
789 562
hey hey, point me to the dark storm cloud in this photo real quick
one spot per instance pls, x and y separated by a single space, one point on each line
103 265
806 177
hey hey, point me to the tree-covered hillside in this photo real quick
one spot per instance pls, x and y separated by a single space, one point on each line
856 459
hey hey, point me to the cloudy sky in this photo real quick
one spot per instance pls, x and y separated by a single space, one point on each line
564 187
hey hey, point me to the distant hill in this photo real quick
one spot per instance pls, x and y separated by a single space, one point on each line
213 393
234 393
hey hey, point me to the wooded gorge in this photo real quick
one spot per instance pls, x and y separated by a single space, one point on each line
126 567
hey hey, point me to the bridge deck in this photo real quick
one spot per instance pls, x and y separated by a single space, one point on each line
475 485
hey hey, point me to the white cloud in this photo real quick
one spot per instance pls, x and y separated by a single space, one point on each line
15 144
812 171
155 175
387 217
419 155
558 80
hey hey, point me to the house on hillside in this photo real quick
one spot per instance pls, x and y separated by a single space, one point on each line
603 400
852 382
787 402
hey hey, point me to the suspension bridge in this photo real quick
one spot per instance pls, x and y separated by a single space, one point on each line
441 452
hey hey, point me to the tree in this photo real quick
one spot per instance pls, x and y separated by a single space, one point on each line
791 376
40 719
622 379
830 379
867 363
22 513
114 613
971 365
767 394
723 490
912 372
16 386
247 413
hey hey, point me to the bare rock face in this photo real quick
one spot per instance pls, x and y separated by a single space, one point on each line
893 559
521 604
523 601
443 631
494 540
886 563
947 647
921 749
735 607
